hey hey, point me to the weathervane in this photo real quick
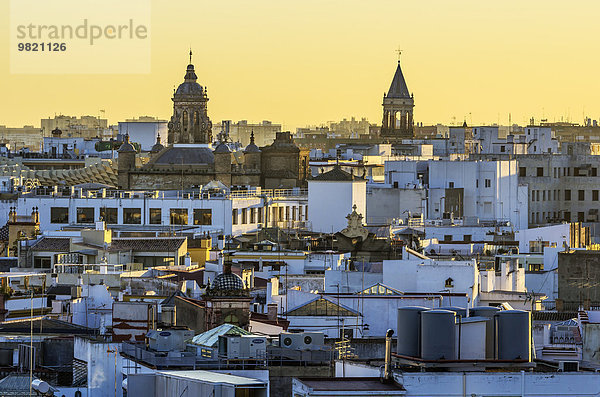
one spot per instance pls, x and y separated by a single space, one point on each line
399 51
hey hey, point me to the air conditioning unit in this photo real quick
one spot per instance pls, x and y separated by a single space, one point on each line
242 346
302 341
563 334
568 366
169 339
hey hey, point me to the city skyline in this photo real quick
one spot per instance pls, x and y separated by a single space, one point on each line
318 62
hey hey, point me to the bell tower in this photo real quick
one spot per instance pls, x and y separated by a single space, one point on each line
190 122
398 106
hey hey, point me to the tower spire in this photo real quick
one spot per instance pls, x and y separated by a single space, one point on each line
190 55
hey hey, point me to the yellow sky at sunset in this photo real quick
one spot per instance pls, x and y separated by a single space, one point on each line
309 62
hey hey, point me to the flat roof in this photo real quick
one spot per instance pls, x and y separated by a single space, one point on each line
214 377
350 384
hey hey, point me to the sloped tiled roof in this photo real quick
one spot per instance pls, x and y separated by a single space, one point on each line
553 316
17 385
48 325
336 174
210 338
157 244
322 307
56 244
4 233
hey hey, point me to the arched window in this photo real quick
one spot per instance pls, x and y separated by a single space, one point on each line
185 120
449 283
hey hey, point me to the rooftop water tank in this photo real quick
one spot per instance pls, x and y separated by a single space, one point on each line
438 335
513 334
487 312
409 330
461 311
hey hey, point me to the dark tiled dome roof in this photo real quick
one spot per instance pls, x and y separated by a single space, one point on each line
222 148
190 86
252 148
185 155
126 146
157 148
228 281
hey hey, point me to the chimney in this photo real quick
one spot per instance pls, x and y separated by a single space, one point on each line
387 372
272 311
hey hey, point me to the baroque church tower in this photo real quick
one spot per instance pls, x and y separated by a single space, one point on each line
398 106
190 122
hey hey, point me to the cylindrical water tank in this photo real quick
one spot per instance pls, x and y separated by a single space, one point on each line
487 312
438 335
40 385
409 329
513 335
483 311
461 311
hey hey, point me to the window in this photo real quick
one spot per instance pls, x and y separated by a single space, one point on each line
476 182
252 215
447 237
522 171
260 215
179 216
294 213
581 217
155 216
244 216
85 215
281 218
567 216
451 185
234 217
287 213
132 216
449 283
306 212
540 171
59 215
594 172
467 238
109 215
202 216
543 195
42 262
535 267
488 183
533 195
594 195
502 149
567 195
581 195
